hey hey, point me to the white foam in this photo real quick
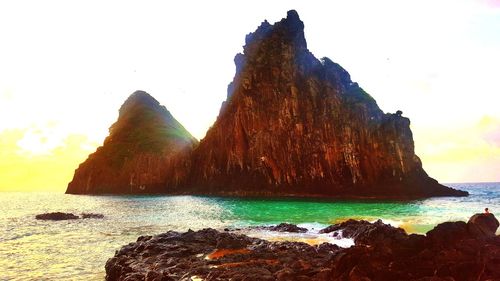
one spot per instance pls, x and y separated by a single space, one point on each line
312 236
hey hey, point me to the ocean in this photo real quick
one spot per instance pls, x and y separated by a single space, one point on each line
78 249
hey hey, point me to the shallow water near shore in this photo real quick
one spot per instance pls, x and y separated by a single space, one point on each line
78 249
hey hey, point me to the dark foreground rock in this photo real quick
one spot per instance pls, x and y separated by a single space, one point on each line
59 216
451 251
214 255
483 225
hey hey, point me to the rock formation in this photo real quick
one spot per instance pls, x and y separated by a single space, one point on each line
134 157
381 252
59 216
56 216
483 225
296 125
292 125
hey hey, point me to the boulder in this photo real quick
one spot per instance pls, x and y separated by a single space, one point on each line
482 225
364 232
447 234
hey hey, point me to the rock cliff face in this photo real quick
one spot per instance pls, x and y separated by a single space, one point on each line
291 125
134 157
296 125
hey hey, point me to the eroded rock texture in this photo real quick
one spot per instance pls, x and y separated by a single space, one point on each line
451 251
296 125
292 125
134 157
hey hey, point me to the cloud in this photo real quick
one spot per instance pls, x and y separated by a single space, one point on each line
463 153
22 170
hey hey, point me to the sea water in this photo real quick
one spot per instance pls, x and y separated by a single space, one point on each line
78 249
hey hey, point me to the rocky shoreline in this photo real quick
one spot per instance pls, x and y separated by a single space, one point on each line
450 251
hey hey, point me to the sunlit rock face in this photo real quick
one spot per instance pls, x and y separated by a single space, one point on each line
296 125
134 157
292 125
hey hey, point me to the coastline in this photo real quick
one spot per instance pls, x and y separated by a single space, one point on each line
450 251
259 195
45 248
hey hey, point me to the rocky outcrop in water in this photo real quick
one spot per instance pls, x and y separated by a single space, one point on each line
381 252
296 125
286 227
91 216
292 125
134 157
59 216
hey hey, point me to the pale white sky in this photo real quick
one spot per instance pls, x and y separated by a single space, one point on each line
67 66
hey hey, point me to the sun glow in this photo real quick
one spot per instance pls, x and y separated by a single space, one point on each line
27 162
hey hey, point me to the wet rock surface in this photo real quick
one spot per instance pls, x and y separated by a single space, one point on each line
366 233
283 227
381 252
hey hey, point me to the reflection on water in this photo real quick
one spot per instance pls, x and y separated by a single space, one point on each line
78 249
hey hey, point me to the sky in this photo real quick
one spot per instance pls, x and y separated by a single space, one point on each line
67 66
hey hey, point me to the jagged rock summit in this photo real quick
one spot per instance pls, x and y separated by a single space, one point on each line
134 157
296 125
292 125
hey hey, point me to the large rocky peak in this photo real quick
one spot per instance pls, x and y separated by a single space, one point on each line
292 124
134 156
296 125
146 125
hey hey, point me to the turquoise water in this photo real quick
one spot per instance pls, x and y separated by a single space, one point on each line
77 250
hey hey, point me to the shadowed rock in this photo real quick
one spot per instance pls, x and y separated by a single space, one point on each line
482 225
